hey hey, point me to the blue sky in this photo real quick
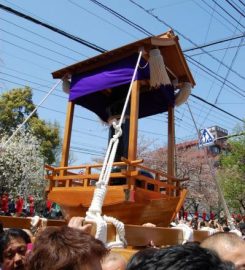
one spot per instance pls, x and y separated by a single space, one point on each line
29 53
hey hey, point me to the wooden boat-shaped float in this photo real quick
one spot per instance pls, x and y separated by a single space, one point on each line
136 194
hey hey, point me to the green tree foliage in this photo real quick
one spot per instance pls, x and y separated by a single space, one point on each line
15 106
232 174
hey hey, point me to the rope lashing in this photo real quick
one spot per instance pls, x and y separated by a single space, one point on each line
94 212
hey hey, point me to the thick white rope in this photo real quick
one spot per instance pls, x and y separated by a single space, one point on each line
183 94
94 212
30 115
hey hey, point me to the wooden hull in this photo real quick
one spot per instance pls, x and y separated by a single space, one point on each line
146 206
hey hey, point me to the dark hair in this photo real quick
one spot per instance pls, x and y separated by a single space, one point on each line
141 257
188 257
64 248
12 234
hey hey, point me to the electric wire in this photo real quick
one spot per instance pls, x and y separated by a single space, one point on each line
228 13
33 52
241 2
58 31
215 42
216 76
228 71
216 107
185 37
222 16
123 18
217 50
46 38
101 18
38 45
231 4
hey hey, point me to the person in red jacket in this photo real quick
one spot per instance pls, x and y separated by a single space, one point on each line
204 216
211 215
19 205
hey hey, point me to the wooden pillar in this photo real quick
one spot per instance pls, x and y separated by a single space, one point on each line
133 129
171 143
67 135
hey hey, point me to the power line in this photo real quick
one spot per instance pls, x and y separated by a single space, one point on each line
97 48
29 75
55 29
186 38
13 76
123 18
216 107
241 2
228 71
33 20
214 43
217 50
101 18
33 52
38 45
46 38
215 76
222 16
228 13
27 61
235 7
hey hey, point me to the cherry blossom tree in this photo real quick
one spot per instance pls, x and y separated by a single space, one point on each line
22 166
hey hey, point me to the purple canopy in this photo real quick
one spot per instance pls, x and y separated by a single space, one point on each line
89 89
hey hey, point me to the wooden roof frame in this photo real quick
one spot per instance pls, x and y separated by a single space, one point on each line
166 41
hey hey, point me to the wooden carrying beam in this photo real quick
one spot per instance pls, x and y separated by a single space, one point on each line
25 223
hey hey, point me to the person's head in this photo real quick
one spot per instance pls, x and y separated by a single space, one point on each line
65 248
229 246
114 261
188 257
13 249
140 258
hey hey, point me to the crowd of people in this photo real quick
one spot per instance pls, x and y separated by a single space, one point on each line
20 207
72 247
10 206
221 224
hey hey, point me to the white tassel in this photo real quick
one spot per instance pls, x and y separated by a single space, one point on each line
66 85
158 73
183 94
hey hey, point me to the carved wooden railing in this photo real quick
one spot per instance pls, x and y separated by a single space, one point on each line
135 175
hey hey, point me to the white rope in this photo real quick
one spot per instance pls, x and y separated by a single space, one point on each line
183 94
94 212
120 232
30 115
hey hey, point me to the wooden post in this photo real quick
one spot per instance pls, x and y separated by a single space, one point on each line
133 122
133 129
171 143
67 137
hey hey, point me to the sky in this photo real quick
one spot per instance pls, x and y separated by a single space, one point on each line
29 53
